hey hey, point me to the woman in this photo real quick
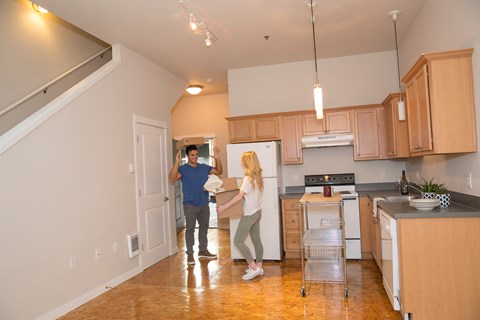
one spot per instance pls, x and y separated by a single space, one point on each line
251 190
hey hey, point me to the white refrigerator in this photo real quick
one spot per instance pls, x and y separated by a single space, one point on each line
271 222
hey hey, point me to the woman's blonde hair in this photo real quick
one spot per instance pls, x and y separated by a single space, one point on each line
252 169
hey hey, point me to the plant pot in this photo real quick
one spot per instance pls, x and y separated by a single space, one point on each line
429 195
444 199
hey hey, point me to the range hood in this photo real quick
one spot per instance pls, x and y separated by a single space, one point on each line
328 140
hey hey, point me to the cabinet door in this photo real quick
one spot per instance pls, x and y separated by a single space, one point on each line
291 141
418 110
332 122
291 228
241 130
366 225
396 130
338 122
367 139
267 128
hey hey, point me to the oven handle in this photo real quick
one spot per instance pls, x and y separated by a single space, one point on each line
350 198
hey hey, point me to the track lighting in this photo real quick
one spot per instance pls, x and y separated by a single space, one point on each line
198 24
208 39
193 23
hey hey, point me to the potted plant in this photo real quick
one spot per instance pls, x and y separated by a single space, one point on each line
442 194
431 190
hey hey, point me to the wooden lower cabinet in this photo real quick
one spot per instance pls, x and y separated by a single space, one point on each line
291 228
439 268
366 226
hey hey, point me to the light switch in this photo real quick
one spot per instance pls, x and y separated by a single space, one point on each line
131 168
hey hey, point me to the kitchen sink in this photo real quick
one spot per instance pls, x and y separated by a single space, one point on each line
401 198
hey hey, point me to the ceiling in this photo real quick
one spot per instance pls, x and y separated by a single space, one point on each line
159 30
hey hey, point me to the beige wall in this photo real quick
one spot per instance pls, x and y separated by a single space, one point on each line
346 81
66 190
36 48
447 25
203 116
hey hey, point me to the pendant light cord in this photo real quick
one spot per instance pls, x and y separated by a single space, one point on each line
315 44
398 60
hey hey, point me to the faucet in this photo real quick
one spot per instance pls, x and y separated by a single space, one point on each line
412 186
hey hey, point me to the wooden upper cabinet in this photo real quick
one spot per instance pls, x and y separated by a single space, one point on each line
396 130
291 140
251 129
369 140
440 104
332 122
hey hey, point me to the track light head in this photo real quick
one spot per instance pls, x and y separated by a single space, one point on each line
208 39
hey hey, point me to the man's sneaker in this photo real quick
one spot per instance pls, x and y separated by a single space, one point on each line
261 273
252 274
206 255
190 259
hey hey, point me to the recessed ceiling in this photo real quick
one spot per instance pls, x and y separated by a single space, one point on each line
250 32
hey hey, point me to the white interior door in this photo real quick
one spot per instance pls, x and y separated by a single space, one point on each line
152 193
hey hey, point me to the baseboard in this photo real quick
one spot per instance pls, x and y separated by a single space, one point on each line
75 303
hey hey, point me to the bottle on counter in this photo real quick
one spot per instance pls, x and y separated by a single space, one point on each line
403 184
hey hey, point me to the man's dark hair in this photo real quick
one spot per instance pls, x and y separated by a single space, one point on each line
190 148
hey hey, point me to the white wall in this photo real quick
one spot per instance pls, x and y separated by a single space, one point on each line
346 81
444 25
66 190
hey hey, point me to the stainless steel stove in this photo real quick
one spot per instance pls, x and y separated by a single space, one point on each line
344 184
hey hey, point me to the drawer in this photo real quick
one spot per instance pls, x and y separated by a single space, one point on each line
290 204
292 240
291 221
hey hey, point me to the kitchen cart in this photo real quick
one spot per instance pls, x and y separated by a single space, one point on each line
322 235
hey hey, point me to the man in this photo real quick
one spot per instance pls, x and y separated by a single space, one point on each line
195 199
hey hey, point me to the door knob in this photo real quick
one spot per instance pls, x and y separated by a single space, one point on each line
166 199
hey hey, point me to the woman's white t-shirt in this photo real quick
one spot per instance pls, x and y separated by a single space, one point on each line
253 197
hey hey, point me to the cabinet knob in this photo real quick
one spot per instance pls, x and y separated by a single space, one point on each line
294 241
293 220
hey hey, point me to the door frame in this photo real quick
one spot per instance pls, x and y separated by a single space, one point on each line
172 243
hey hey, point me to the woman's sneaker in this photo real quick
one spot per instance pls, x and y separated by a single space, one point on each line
261 273
252 274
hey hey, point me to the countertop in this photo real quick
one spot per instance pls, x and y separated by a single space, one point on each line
401 210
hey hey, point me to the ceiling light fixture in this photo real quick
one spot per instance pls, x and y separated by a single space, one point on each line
317 88
198 24
402 116
37 8
194 89
193 23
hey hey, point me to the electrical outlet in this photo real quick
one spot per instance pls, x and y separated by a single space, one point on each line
469 181
295 177
97 253
115 247
417 175
73 262
382 174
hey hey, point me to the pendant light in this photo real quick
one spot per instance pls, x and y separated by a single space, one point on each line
402 116
317 89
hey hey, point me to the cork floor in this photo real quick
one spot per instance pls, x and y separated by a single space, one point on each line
214 289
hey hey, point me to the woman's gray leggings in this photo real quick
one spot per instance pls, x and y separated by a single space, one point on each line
249 225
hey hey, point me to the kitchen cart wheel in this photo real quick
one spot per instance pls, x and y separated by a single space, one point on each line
303 292
345 293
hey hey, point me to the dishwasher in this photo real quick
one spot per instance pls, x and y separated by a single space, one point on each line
389 257
323 252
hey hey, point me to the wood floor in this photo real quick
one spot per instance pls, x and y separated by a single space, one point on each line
215 290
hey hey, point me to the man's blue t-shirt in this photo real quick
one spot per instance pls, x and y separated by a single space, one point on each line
193 179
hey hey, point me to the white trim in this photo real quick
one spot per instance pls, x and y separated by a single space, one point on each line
203 135
92 294
18 132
